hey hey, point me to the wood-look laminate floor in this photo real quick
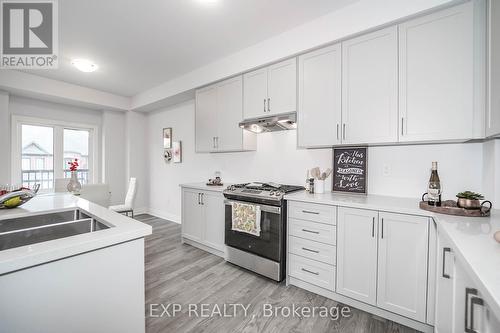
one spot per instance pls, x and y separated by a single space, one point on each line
181 274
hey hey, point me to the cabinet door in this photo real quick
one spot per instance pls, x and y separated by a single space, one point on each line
255 94
229 115
213 205
319 111
370 88
402 264
445 302
192 215
282 87
205 119
493 114
357 254
436 99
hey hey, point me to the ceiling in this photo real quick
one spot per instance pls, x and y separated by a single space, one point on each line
141 44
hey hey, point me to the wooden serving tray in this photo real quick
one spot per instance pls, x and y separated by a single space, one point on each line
450 207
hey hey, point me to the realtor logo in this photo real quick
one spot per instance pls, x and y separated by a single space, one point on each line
29 34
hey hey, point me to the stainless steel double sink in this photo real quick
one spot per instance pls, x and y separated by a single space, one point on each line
33 229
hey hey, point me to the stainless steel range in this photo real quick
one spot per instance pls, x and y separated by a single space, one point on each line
265 253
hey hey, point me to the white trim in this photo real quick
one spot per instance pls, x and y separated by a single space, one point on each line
58 126
164 215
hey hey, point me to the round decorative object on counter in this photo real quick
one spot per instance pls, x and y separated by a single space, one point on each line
496 235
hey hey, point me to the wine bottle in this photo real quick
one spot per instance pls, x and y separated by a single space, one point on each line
434 188
307 182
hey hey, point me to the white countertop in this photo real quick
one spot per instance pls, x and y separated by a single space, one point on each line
472 237
205 187
121 229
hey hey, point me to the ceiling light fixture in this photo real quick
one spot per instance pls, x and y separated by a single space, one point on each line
208 2
84 65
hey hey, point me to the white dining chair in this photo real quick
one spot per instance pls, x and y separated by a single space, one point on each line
61 184
128 206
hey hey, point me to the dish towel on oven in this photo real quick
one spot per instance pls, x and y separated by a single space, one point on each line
246 218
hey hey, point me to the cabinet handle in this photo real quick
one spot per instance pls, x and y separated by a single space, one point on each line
310 212
445 249
217 142
473 292
473 301
402 126
337 132
310 272
310 231
382 228
373 227
306 249
343 131
213 142
203 198
264 105
199 198
268 104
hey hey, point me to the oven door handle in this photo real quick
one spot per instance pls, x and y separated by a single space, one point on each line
263 208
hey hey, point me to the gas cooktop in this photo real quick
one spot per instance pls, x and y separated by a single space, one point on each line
269 190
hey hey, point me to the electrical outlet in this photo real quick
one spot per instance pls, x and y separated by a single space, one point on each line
386 171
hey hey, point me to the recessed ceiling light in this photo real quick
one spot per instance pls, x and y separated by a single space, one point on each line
84 65
208 2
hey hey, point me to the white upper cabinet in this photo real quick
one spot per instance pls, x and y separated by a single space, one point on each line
319 110
270 90
255 94
218 114
282 87
229 111
493 107
205 119
436 96
402 264
370 88
357 254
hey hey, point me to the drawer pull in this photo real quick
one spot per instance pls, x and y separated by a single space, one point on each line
306 249
310 272
309 212
310 231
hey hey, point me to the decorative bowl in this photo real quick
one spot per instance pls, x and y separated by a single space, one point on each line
18 197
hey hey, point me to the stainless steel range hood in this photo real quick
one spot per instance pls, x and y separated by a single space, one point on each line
280 122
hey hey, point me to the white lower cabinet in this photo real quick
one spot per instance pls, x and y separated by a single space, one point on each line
357 254
460 306
381 258
203 218
402 264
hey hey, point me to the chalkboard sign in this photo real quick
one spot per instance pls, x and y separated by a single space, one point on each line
349 170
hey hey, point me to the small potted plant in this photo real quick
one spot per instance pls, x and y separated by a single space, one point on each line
469 200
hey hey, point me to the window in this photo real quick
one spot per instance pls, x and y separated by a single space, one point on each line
40 144
37 146
76 146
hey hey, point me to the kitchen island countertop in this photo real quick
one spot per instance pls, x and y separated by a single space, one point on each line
122 229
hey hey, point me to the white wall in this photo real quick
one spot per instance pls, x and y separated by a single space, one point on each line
114 143
277 159
137 157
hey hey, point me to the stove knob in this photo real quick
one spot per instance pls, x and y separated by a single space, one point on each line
271 193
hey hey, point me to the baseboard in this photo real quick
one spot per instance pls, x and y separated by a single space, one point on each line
141 210
164 215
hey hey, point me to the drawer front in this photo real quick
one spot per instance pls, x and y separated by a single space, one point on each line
312 250
313 212
318 232
313 272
